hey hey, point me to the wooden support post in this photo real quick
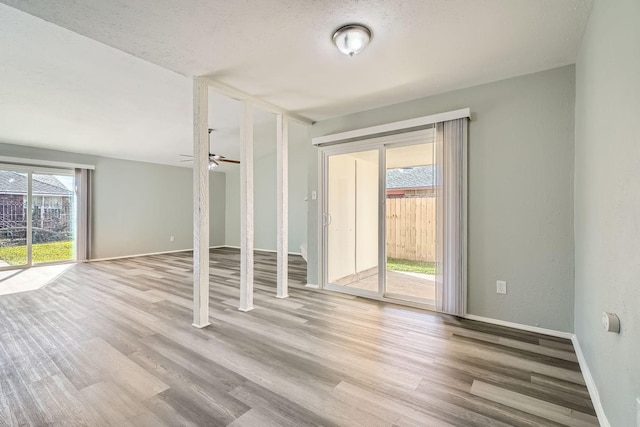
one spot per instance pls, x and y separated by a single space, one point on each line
282 190
200 203
246 207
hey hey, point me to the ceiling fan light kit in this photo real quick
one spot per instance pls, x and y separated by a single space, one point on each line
351 39
214 159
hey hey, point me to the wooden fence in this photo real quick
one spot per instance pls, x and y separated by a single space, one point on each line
411 228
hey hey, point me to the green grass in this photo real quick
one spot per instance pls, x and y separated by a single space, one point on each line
411 266
42 252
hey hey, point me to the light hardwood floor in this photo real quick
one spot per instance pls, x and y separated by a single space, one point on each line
110 343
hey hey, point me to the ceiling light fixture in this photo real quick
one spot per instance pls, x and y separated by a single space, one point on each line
352 39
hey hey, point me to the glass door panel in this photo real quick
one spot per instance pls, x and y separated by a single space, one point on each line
52 215
13 218
352 221
412 181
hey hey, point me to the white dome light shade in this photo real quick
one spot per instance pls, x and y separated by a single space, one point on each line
352 39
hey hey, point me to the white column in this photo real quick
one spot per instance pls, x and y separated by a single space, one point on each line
200 204
282 200
246 207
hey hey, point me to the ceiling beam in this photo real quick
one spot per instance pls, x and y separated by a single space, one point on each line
234 93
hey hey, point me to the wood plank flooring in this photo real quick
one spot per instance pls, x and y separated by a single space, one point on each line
111 343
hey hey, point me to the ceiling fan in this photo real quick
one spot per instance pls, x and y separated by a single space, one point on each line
214 159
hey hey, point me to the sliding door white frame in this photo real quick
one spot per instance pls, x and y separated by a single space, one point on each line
30 171
380 143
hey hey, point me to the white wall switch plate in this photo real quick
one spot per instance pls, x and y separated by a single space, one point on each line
638 412
501 287
171 238
314 195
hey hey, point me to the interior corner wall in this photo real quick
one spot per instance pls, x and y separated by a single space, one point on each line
137 206
521 149
607 203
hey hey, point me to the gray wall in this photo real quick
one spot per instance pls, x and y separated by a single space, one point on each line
607 203
217 209
265 193
137 206
520 192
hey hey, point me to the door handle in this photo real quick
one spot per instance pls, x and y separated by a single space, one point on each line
327 219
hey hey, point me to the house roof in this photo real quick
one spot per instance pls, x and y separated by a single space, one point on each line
43 185
416 177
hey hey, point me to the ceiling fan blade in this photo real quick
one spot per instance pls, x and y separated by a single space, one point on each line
230 161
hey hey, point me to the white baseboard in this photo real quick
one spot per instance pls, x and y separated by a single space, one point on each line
137 255
175 251
261 250
148 254
591 385
543 331
584 368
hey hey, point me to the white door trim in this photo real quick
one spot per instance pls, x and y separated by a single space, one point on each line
423 136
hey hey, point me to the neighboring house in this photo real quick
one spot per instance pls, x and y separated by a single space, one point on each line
417 181
52 207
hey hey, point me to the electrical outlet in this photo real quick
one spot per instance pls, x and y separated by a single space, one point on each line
501 287
171 238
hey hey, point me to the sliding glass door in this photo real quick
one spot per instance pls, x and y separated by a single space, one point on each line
394 217
53 217
379 219
37 216
412 186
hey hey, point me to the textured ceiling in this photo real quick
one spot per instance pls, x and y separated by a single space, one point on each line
278 50
63 91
